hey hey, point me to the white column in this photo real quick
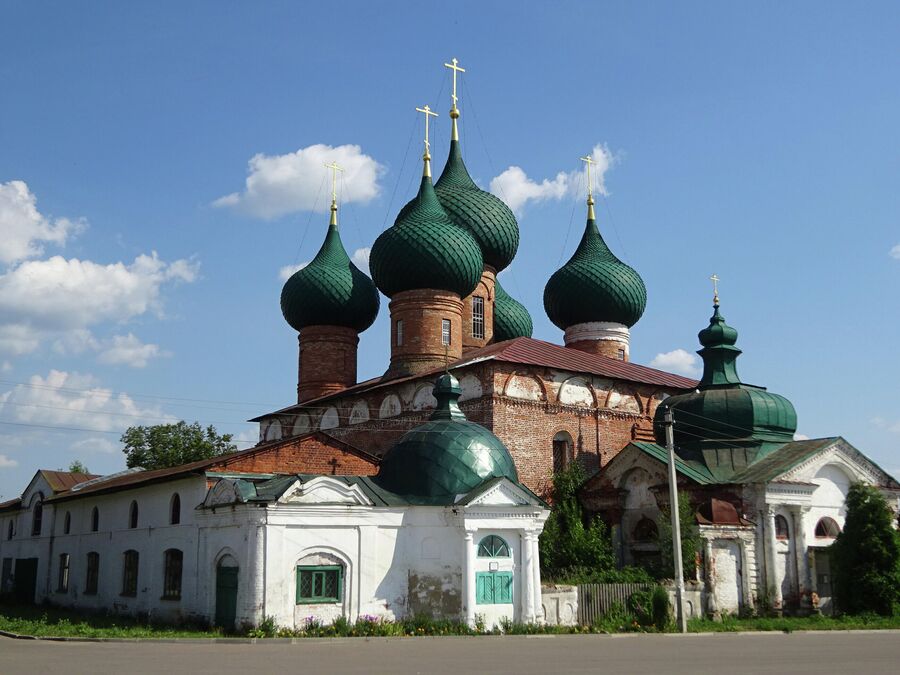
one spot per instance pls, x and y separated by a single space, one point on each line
469 575
774 582
527 577
801 553
536 571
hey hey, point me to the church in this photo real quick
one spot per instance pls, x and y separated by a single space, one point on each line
422 490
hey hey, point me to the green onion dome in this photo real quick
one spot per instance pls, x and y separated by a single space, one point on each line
426 249
724 412
330 290
490 221
447 456
511 319
594 286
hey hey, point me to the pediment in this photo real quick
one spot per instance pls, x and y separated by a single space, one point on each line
841 453
325 490
502 493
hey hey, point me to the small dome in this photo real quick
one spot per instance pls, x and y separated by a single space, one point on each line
330 291
511 319
594 285
447 456
426 249
490 221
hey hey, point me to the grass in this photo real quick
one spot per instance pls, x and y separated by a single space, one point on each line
58 622
789 624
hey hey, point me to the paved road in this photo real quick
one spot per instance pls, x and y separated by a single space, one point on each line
818 653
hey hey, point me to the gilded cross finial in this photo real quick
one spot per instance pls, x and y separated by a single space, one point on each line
454 111
590 185
334 169
715 279
428 112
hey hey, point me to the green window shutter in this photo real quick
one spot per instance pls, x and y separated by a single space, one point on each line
484 588
503 587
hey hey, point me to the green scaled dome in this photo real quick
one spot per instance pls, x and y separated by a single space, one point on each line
490 221
447 456
511 319
330 291
426 249
725 413
594 286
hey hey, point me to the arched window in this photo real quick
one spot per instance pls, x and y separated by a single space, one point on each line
645 530
827 528
781 528
175 510
562 451
37 518
133 515
493 546
67 523
172 574
95 519
10 531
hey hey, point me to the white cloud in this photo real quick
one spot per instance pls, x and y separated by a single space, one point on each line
280 184
63 298
287 271
678 361
24 228
887 425
94 445
801 437
515 187
360 258
5 367
128 350
7 462
74 400
895 252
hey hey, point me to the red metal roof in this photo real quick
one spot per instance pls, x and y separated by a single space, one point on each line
63 480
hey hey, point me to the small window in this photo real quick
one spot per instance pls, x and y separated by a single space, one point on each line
133 515
95 519
445 331
781 528
93 573
477 317
10 531
172 578
493 588
130 561
63 582
37 517
621 355
645 531
562 451
827 528
399 332
493 546
319 584
67 523
175 510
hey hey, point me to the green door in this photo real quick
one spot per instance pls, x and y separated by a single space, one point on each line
493 588
25 583
226 596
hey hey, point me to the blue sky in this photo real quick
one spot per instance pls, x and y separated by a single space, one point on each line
139 269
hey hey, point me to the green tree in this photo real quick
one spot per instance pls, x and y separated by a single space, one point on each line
865 557
164 445
571 545
691 542
77 466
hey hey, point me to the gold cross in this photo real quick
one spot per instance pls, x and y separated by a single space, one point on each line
715 279
589 160
334 169
456 69
428 113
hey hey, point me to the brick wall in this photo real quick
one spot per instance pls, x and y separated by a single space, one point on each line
308 454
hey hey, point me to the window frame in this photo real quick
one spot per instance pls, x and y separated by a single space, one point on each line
92 573
446 332
173 573
95 519
67 523
478 317
175 510
37 518
133 515
827 523
399 332
782 529
488 547
315 570
10 530
131 563
62 580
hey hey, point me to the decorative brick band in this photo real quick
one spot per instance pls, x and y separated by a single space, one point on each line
606 338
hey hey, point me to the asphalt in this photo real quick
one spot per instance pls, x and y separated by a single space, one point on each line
797 653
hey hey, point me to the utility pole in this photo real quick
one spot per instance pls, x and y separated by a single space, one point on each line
676 526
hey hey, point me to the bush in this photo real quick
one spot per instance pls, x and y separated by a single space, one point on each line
691 542
661 609
865 557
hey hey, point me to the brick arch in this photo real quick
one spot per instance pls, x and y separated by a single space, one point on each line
587 383
528 376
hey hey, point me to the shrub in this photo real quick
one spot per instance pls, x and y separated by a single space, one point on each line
661 609
691 542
